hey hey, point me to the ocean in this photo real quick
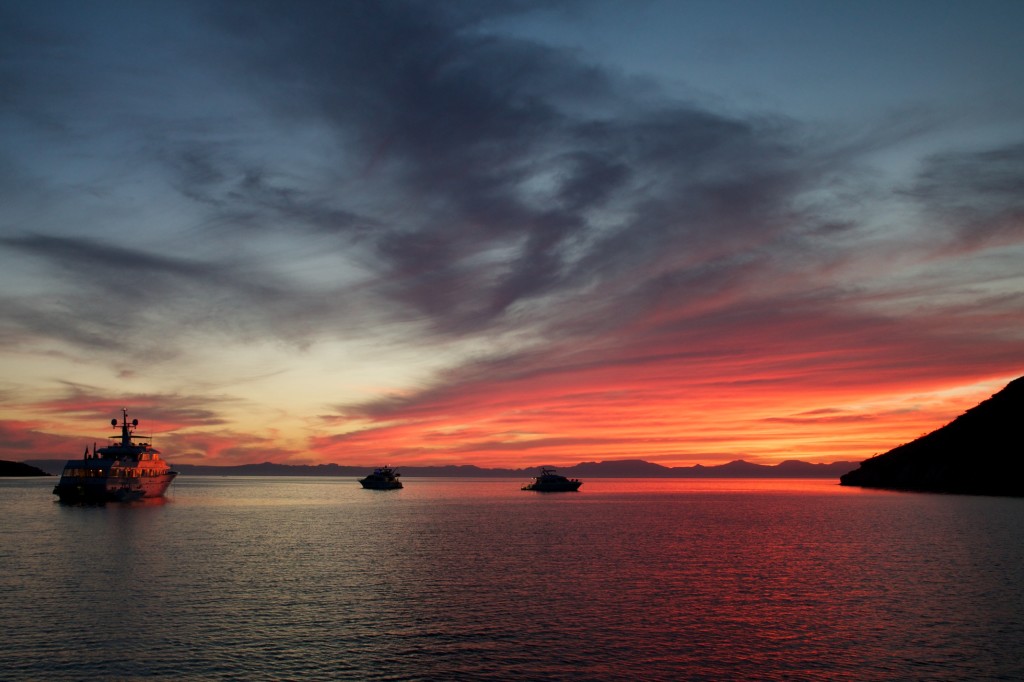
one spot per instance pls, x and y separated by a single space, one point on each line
246 578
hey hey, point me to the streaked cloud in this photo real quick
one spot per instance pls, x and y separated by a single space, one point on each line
561 257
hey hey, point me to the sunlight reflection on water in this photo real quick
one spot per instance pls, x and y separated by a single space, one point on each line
271 578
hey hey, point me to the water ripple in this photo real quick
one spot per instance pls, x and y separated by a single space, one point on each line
278 579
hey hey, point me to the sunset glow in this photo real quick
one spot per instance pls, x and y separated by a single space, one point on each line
435 233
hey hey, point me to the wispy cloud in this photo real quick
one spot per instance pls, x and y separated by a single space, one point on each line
558 241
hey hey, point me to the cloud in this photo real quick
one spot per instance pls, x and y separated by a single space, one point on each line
532 172
23 440
476 182
95 405
208 176
130 301
185 427
977 196
113 293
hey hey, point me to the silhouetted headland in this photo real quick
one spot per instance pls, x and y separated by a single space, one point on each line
8 468
978 453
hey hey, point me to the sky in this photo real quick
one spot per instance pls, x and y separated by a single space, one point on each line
507 233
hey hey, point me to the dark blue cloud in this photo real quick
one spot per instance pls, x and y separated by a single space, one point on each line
466 174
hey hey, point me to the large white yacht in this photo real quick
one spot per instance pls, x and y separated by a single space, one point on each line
122 471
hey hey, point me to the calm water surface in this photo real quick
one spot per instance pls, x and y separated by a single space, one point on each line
316 578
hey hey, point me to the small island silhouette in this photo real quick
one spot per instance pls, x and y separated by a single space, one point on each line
978 453
13 469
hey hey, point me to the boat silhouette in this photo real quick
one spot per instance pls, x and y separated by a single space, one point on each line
123 471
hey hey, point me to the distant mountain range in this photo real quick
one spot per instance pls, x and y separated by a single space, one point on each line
628 468
978 453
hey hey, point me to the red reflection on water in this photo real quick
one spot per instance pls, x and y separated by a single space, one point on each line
722 485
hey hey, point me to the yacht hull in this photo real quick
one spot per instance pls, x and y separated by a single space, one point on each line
111 489
568 487
381 485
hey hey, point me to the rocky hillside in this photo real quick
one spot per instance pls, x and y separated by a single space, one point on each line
981 452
